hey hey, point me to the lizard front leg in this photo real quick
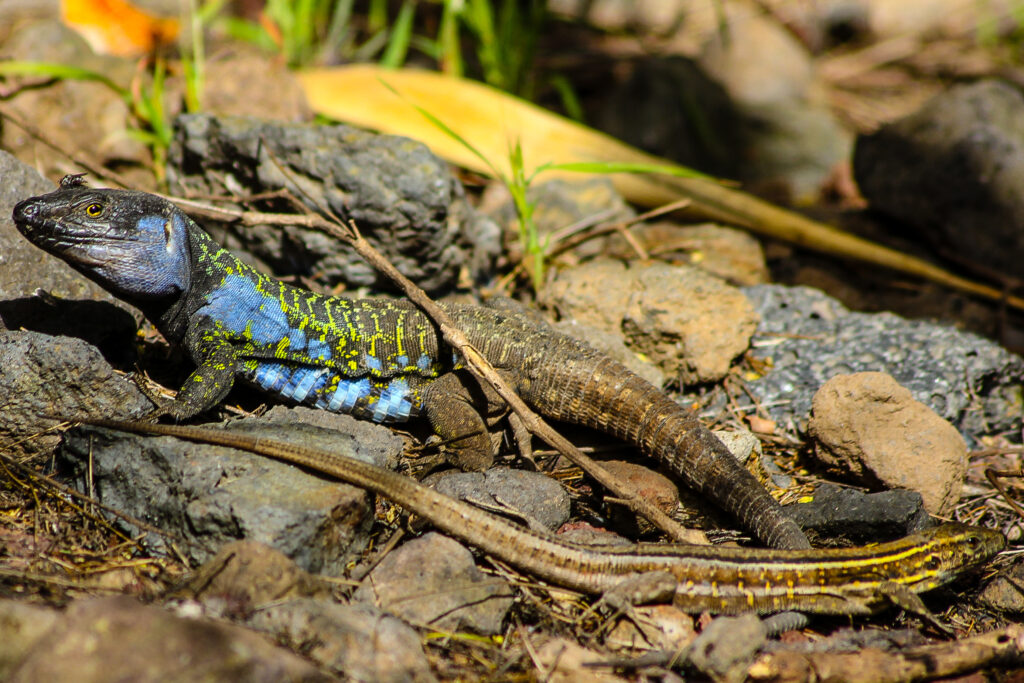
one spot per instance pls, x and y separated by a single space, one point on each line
456 405
216 362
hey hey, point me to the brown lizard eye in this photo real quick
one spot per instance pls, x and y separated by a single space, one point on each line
94 210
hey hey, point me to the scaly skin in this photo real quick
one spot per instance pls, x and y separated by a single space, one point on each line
376 359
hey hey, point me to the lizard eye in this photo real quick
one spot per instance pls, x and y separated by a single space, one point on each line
94 210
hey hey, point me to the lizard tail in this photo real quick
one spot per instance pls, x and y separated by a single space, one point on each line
567 380
620 403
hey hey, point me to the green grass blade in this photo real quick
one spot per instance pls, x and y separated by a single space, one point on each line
398 42
570 102
623 167
59 71
441 125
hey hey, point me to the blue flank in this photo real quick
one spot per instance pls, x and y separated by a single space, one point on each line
296 340
394 404
318 349
304 381
238 305
349 391
271 376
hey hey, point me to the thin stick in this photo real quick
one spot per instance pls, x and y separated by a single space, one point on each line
993 475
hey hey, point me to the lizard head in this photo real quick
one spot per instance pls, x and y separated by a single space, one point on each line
133 244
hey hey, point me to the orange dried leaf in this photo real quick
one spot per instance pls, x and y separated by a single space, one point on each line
761 425
116 27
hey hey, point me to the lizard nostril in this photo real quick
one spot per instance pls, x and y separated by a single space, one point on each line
26 209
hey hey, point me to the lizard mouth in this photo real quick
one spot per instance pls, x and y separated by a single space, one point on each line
61 239
42 229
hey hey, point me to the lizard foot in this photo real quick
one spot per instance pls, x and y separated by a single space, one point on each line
906 599
162 406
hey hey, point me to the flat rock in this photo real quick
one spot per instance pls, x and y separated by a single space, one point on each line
789 131
104 640
22 625
247 575
208 496
433 581
1003 593
689 323
952 173
355 642
727 253
867 427
403 198
59 376
726 647
533 495
807 337
836 512
612 343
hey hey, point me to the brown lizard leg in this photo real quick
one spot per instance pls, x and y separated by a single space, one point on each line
451 407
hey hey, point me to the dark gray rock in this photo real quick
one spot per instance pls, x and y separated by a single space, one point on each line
859 517
672 108
357 642
403 198
339 432
809 338
207 496
534 495
64 377
433 581
953 172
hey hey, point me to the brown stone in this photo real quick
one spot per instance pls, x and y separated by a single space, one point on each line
869 427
